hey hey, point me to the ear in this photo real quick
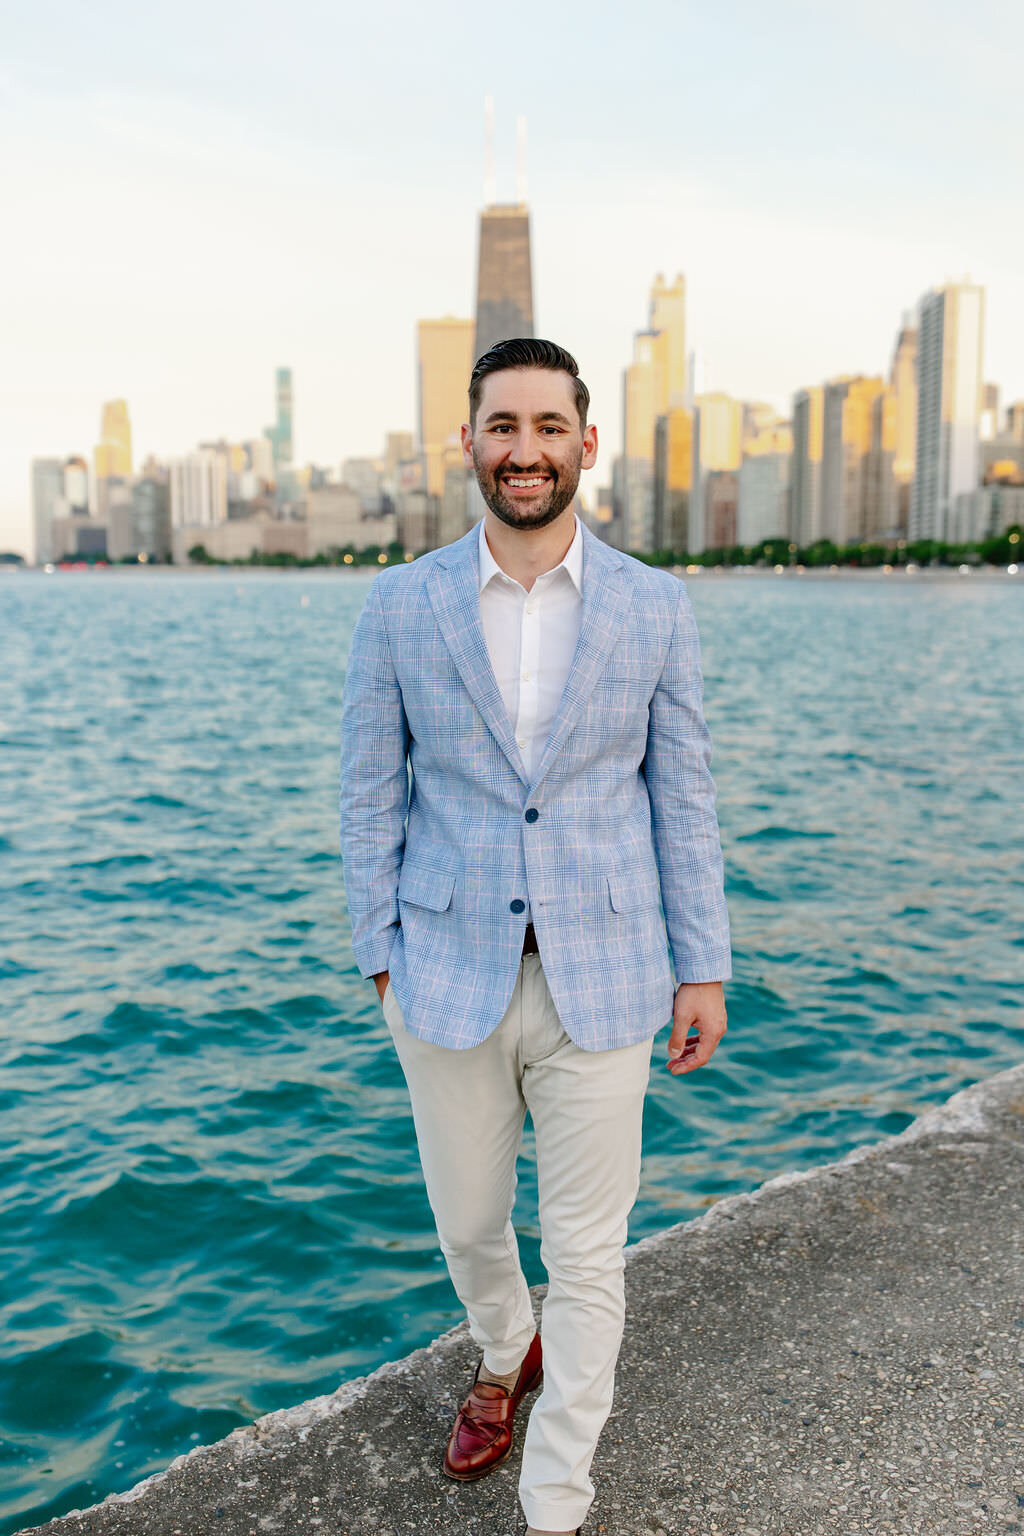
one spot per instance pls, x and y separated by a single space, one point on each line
467 443
589 448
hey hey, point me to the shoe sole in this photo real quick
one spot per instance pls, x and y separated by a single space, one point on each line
472 1477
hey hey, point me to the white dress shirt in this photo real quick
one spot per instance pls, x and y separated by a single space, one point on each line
531 639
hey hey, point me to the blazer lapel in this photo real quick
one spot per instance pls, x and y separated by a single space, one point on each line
453 588
605 606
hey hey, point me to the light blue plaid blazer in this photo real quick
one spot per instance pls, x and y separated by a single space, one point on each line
439 855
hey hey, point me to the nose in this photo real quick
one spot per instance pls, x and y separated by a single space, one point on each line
525 448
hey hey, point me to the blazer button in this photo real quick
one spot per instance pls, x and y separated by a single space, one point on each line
532 813
517 905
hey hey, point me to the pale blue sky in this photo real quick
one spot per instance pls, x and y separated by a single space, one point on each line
193 194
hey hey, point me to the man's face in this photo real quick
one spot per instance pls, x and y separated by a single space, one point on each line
527 446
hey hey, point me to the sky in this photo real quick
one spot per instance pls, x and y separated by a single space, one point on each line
193 194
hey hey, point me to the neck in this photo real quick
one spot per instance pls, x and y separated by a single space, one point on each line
526 553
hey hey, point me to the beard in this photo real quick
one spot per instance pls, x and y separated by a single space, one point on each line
559 494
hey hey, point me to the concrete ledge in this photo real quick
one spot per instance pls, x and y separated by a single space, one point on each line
840 1352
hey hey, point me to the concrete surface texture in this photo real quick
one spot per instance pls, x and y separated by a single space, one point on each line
840 1352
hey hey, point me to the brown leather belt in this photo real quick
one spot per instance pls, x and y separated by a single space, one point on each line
530 941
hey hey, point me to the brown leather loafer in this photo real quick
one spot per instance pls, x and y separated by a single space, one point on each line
481 1436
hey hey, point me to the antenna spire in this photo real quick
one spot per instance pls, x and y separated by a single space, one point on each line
489 180
521 160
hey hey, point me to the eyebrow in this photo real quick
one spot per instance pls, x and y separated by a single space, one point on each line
497 416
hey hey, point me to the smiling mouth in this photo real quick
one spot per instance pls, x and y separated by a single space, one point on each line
525 482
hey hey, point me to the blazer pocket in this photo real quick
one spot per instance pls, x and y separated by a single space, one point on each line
632 893
629 669
419 886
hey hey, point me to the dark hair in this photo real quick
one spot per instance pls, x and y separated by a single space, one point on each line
527 352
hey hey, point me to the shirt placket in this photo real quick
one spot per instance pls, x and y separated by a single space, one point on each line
529 678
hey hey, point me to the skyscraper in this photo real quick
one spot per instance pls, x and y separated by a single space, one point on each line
763 491
903 379
643 401
113 453
880 518
717 451
667 315
673 479
949 368
654 383
47 503
198 489
805 485
504 281
445 351
280 434
847 437
76 486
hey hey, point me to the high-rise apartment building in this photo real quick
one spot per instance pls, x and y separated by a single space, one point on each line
48 502
673 479
846 445
717 447
903 382
112 457
199 489
763 498
151 518
504 281
880 510
445 356
763 486
805 483
949 375
721 506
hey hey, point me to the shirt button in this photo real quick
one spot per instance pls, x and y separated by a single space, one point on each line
529 607
526 677
532 814
517 905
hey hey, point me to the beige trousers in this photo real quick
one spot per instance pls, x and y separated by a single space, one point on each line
586 1106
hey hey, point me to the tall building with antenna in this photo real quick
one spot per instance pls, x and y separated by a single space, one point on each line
504 283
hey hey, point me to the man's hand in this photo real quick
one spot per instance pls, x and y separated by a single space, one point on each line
699 1005
380 981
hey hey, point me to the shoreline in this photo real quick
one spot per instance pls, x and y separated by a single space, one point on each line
897 573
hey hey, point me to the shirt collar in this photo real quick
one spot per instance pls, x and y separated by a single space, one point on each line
572 563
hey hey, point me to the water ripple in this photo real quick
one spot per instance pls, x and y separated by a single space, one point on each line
211 1201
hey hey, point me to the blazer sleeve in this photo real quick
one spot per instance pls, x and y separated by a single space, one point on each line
374 788
677 769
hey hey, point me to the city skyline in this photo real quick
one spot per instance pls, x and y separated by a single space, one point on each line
930 453
192 235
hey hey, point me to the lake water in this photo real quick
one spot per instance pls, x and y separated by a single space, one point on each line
210 1203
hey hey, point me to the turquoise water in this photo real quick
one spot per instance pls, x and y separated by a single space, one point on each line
210 1203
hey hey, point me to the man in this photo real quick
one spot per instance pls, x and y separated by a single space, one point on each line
525 784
